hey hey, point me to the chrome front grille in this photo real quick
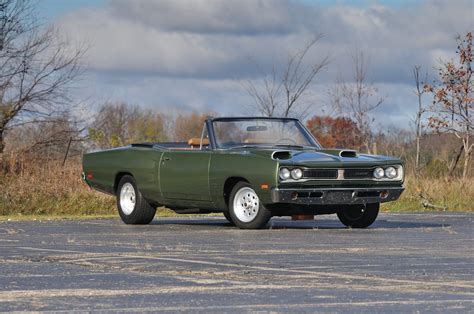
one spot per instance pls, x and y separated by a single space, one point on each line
338 174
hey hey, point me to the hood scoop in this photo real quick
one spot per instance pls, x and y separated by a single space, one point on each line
281 155
348 153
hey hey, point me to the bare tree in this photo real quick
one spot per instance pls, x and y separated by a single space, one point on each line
267 94
118 124
419 91
453 98
357 98
37 68
282 91
46 139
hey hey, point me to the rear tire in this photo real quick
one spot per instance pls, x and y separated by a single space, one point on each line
245 209
359 216
132 206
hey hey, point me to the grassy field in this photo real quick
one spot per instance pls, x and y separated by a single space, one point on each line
450 195
53 191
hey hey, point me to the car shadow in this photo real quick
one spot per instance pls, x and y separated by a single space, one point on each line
302 224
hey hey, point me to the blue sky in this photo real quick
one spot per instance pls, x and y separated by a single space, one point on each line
53 8
177 55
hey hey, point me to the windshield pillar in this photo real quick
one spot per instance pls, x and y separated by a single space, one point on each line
210 133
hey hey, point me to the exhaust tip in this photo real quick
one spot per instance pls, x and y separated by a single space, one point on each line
302 217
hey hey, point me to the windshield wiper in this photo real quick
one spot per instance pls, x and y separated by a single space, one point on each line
270 146
242 146
290 145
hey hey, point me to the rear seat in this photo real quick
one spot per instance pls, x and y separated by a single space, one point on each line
194 144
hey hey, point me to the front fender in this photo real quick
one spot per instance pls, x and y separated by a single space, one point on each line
257 170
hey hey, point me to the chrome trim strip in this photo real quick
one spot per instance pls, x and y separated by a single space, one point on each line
399 178
361 189
340 174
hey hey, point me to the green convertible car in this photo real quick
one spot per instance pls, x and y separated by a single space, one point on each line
250 169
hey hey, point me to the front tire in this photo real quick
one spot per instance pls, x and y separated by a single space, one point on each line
132 206
245 209
359 216
229 219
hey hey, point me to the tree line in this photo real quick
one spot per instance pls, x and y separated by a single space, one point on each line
444 106
38 68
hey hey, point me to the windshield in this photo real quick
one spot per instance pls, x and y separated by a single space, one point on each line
261 132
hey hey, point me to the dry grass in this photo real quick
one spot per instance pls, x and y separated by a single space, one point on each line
45 188
444 194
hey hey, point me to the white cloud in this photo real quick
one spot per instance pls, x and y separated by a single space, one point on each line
209 16
188 54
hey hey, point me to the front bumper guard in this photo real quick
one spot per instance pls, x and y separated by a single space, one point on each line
326 196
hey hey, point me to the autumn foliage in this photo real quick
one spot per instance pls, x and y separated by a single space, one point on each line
187 126
453 98
335 132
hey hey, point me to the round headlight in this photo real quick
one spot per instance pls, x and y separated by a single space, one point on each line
284 173
378 173
391 172
296 173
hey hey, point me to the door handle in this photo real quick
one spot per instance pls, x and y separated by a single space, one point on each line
166 159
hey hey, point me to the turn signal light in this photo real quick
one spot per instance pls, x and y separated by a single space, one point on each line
384 194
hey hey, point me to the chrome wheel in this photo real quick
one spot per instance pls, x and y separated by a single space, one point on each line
246 204
127 198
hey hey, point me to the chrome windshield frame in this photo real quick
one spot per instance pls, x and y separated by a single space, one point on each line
306 133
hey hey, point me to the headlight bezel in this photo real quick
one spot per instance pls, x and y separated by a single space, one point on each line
379 173
399 173
296 173
282 172
389 174
290 174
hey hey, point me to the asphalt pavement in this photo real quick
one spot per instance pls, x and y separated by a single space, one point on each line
404 263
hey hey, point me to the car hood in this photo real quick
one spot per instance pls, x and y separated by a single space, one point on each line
323 157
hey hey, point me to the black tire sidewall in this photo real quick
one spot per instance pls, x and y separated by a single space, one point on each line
263 215
365 220
142 210
228 217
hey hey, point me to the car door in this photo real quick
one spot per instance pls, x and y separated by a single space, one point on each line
184 175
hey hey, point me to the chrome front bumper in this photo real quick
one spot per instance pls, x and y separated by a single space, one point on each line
326 196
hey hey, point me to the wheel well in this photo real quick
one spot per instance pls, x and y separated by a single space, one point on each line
229 185
118 177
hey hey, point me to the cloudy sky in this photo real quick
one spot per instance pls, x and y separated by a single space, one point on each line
190 55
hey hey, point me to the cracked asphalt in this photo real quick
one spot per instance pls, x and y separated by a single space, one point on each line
403 263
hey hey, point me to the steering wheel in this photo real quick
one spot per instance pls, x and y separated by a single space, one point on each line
286 139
